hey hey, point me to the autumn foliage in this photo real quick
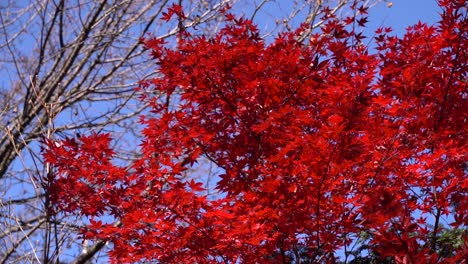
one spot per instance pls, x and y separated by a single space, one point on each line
318 142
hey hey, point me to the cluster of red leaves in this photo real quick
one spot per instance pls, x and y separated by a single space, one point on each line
317 143
173 10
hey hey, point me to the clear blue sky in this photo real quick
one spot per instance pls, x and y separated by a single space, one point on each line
399 16
404 13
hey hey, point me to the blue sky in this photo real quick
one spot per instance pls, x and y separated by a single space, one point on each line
404 13
399 16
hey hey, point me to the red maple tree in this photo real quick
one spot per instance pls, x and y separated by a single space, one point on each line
319 141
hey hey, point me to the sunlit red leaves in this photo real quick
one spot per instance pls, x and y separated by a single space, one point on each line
173 10
86 181
316 144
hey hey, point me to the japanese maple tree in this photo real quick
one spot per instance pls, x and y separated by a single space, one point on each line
319 141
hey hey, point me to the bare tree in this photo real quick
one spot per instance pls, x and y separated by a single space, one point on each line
69 66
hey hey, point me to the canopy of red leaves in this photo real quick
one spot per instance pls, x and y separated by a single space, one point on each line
317 143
